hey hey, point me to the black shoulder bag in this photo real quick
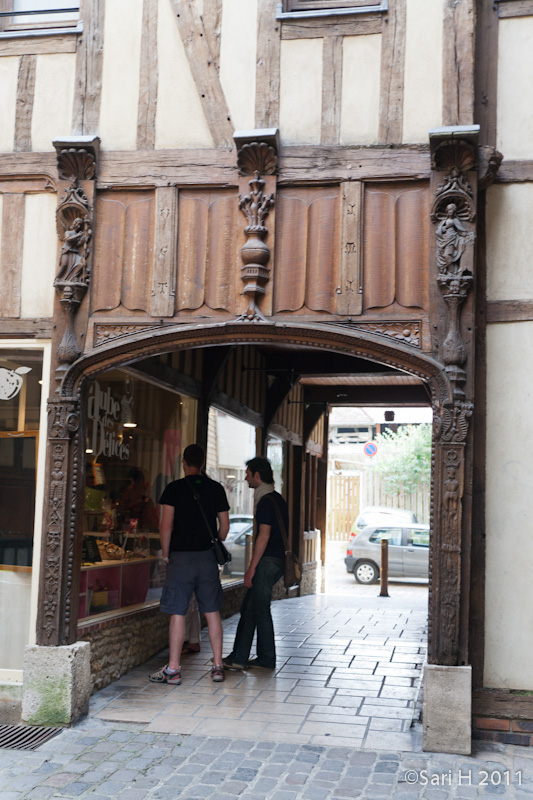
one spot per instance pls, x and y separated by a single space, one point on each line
221 553
293 569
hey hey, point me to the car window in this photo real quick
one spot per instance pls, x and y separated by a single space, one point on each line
394 535
418 538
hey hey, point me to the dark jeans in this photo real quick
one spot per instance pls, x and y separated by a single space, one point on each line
255 614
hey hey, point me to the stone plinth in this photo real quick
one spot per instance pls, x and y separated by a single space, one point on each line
57 684
447 713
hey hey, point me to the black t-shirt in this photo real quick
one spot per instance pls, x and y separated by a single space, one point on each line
189 531
266 515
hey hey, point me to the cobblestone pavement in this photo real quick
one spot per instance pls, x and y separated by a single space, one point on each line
100 760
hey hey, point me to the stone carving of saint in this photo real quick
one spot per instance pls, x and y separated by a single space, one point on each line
72 259
452 239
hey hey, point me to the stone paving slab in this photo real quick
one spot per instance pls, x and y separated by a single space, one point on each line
134 764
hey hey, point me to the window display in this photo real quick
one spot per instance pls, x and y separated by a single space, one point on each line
135 438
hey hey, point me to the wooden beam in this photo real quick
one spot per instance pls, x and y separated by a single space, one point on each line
40 45
319 27
13 206
284 433
167 377
40 328
147 107
368 395
25 96
486 76
458 67
277 393
212 21
267 82
214 363
163 301
204 72
392 74
515 172
312 414
226 403
501 704
89 59
331 89
320 163
514 8
509 310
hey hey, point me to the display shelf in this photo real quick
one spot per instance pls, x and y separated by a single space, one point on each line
113 585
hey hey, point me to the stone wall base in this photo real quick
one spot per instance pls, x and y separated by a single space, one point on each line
447 709
57 684
10 703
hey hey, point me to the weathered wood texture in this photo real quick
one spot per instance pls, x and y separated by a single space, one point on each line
36 328
25 93
396 247
306 241
510 311
166 225
486 77
291 413
209 241
212 21
318 27
244 379
11 254
88 85
40 45
515 8
501 704
458 67
148 79
350 290
515 172
392 74
123 251
329 163
204 71
267 66
331 89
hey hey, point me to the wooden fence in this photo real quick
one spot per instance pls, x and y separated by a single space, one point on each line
350 493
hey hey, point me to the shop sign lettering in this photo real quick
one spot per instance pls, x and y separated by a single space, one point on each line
106 414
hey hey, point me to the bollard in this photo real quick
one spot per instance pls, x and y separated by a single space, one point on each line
384 574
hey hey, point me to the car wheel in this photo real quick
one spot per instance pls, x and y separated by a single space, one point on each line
366 572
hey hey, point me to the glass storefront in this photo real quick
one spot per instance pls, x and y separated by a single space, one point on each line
21 374
135 439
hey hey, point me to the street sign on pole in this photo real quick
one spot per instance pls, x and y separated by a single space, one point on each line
370 449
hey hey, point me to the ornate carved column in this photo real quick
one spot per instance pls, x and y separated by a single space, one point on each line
257 156
77 163
453 217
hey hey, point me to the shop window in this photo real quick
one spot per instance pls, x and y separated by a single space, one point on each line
136 435
20 408
38 15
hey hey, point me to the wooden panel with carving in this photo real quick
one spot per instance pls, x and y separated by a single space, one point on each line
123 251
209 241
395 247
307 264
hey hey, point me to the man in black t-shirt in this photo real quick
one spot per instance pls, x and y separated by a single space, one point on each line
191 564
265 570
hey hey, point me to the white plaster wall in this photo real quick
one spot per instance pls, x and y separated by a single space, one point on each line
238 49
509 242
361 70
1 221
39 256
53 99
120 75
422 104
515 77
509 487
301 91
9 66
180 120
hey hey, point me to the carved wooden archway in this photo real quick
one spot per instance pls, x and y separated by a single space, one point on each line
57 622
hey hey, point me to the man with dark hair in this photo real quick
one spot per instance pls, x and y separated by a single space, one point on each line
190 506
265 570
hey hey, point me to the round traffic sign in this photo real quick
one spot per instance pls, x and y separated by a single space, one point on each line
370 449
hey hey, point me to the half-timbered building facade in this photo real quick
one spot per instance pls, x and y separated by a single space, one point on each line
268 209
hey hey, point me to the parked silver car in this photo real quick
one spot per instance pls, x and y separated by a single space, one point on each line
238 542
408 552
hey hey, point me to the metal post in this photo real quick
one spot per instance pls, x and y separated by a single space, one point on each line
384 575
